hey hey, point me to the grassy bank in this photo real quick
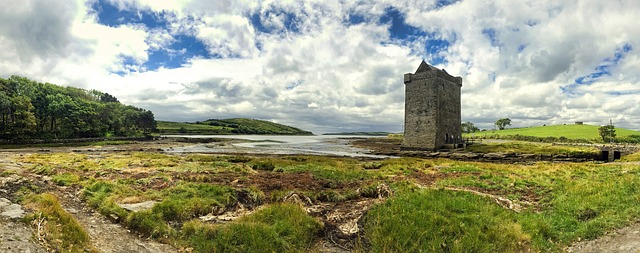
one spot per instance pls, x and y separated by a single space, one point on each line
438 205
556 133
228 126
532 148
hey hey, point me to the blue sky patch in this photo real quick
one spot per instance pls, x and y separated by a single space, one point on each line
291 22
399 29
444 3
355 19
601 71
435 49
184 48
110 15
492 35
434 44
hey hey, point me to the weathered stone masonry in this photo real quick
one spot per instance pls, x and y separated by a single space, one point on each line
432 109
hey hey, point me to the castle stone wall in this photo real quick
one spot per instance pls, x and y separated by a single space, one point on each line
432 109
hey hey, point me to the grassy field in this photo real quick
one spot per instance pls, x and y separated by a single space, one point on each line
228 126
435 205
585 132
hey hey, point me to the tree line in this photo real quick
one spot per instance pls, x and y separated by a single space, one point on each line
30 109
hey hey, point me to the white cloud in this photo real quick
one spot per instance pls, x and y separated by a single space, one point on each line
317 71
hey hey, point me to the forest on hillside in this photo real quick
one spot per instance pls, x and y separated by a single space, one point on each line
30 109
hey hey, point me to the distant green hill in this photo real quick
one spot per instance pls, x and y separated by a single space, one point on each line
228 126
585 132
360 133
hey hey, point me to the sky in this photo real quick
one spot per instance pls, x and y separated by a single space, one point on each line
335 65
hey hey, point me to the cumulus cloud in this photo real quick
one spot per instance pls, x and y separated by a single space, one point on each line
336 65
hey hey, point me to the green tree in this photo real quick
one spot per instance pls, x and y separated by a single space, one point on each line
502 123
468 127
23 122
608 133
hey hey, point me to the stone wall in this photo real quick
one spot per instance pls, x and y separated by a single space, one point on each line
432 109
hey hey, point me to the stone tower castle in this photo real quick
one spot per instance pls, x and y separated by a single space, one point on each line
432 109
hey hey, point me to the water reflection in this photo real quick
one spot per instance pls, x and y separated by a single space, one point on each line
337 145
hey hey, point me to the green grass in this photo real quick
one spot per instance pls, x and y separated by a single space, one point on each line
532 148
275 228
635 157
442 221
70 144
572 200
228 126
584 132
174 127
61 230
191 200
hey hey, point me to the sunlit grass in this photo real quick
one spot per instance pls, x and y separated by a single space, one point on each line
635 157
275 228
59 228
531 148
443 221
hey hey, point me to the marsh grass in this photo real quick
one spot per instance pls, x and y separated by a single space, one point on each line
275 228
570 200
573 200
61 230
190 200
65 179
442 221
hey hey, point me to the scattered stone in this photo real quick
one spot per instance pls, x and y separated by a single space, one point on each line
494 156
138 206
9 210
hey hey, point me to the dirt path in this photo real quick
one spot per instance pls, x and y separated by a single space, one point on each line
106 236
623 240
16 236
112 238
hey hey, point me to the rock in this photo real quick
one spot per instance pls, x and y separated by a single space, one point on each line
529 156
4 202
464 156
494 156
138 206
9 210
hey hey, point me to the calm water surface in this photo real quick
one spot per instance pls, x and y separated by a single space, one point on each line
278 144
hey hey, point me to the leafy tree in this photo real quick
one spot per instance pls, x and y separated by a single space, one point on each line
44 110
24 122
608 132
502 123
468 127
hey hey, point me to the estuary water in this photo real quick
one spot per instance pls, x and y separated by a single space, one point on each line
334 145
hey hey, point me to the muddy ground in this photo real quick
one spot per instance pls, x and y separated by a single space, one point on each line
340 218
